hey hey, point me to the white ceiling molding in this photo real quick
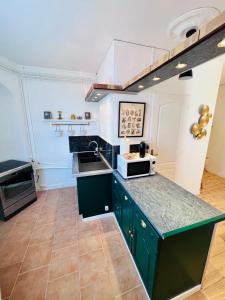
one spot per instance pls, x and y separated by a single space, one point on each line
192 19
45 73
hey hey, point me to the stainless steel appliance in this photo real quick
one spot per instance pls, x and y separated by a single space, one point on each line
17 187
132 165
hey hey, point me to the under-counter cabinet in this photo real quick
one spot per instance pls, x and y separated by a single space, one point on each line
94 194
168 265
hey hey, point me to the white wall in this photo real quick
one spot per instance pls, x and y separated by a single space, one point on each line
13 134
191 153
216 149
109 113
50 150
25 93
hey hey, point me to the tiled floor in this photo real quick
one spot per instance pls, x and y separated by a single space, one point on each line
46 252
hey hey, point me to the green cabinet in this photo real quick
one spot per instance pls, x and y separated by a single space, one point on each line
138 233
145 243
94 194
168 266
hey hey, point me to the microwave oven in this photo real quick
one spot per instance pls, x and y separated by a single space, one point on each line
132 165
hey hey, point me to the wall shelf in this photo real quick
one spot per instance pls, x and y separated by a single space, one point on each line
69 122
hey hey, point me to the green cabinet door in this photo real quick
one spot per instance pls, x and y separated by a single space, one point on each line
127 218
94 194
144 249
116 199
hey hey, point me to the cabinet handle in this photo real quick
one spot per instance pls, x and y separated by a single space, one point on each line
125 197
115 181
143 224
129 231
131 235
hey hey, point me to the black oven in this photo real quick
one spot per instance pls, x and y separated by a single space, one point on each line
16 190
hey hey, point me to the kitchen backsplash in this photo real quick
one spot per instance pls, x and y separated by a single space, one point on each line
81 144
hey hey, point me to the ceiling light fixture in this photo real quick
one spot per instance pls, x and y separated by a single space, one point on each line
221 44
181 66
141 86
156 78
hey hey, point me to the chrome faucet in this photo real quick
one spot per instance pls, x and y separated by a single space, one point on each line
96 149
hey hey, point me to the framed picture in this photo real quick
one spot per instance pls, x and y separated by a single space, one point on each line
87 115
47 115
131 119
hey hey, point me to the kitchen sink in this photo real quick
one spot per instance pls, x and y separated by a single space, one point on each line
90 162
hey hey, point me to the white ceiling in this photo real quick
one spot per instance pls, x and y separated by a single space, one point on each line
75 34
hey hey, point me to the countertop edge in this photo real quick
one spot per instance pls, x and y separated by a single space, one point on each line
165 235
195 225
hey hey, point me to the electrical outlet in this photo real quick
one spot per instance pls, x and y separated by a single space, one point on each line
106 208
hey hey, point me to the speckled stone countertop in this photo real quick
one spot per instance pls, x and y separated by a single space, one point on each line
169 208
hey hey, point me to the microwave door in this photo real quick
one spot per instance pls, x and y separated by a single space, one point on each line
138 168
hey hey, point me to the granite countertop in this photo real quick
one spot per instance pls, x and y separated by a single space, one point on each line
169 207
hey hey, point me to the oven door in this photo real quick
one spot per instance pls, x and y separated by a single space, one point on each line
135 169
15 186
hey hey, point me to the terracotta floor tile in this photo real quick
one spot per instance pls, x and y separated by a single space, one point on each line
21 231
91 226
5 227
108 224
31 285
123 275
71 251
91 243
89 276
113 245
100 289
63 266
64 239
37 256
12 252
42 233
8 277
137 293
94 259
64 288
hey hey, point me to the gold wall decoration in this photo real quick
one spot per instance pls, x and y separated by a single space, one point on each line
198 129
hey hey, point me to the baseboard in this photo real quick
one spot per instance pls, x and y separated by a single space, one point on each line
188 293
102 216
55 186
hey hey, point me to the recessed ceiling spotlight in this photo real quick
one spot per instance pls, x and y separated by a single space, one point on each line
221 44
156 78
181 65
98 94
141 86
95 97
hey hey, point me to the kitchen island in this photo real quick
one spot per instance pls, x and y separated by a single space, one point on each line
168 231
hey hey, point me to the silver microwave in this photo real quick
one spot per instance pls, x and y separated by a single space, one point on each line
132 165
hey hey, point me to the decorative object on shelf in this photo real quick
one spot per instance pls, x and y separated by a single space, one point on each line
73 117
47 115
79 118
87 115
131 119
198 129
59 115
